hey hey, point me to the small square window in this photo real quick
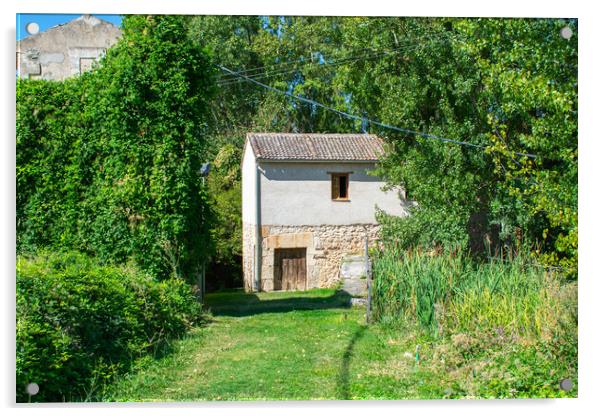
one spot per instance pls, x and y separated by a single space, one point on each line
33 70
340 186
86 64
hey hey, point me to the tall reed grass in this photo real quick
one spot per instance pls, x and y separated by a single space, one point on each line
448 291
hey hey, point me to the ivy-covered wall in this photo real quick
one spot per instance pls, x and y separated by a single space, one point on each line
107 163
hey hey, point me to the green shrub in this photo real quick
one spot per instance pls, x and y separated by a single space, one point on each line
79 323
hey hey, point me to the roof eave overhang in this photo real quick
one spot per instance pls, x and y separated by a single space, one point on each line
271 160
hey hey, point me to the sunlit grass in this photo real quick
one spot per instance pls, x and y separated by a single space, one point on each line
312 345
295 354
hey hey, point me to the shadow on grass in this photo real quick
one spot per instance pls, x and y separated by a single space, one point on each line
246 304
343 389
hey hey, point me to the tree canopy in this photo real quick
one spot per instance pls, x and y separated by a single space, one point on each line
508 87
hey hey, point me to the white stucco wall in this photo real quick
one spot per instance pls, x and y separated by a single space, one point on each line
299 193
249 192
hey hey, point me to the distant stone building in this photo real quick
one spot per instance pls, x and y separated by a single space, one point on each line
65 50
308 204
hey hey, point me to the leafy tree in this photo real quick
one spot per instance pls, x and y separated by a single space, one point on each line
508 85
224 189
530 77
430 87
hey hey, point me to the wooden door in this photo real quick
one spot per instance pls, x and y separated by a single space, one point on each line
290 271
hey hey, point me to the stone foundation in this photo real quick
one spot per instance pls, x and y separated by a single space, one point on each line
326 245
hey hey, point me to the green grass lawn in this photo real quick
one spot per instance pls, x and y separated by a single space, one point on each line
312 345
281 346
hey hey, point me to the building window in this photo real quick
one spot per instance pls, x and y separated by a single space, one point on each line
340 186
85 64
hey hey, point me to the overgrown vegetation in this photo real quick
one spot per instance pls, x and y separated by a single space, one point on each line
107 163
80 323
512 321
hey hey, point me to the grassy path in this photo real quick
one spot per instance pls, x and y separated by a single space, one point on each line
281 346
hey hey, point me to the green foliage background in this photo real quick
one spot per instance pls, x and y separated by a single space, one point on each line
107 162
508 85
107 165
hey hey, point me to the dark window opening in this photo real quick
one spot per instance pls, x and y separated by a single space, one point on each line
340 186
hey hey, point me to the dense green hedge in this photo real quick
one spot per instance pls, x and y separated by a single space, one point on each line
79 323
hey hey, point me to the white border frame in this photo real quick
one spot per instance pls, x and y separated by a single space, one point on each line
590 278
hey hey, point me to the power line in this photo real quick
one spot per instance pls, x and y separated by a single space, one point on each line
302 60
270 74
228 79
364 119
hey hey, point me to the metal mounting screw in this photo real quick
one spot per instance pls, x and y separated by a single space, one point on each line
566 384
566 32
32 389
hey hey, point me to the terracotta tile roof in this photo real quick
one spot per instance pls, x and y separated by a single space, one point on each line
316 146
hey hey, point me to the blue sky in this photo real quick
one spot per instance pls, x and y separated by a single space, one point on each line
48 20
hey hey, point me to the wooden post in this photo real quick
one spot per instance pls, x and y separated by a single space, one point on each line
368 281
202 282
203 287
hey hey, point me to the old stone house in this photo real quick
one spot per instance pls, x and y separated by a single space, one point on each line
309 200
65 50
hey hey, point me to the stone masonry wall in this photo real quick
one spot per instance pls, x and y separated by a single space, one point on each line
326 245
